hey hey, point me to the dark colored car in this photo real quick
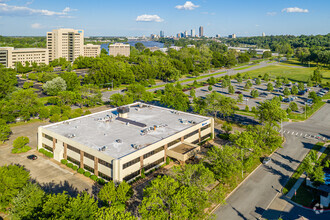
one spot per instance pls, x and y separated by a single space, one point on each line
303 92
238 92
286 100
32 157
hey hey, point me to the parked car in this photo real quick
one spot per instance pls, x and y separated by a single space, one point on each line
263 94
32 157
302 92
238 92
286 100
266 160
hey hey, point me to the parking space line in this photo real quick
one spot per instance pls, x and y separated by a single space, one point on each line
301 134
293 133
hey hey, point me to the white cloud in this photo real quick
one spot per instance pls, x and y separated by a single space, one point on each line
36 26
187 6
295 10
273 13
12 10
149 18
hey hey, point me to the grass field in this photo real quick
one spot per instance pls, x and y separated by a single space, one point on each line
292 73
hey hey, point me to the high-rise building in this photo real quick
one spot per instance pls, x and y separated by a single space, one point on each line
91 50
119 49
217 36
185 33
232 36
201 31
192 33
66 43
9 56
162 34
263 34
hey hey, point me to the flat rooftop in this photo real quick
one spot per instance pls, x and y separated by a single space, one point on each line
114 136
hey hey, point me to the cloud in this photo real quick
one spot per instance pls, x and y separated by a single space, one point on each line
187 6
295 10
36 26
273 13
149 18
12 10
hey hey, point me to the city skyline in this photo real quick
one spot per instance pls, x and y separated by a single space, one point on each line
130 18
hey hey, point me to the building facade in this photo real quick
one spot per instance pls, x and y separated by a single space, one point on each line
66 43
201 31
91 50
119 49
192 33
117 144
9 56
162 34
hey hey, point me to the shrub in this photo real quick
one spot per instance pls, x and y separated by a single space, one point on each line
70 165
81 170
87 174
143 174
167 160
64 161
75 167
93 177
20 142
87 112
46 153
101 181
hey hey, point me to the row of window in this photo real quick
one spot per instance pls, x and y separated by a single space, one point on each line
90 169
205 127
106 177
48 137
47 147
73 149
149 166
191 134
130 163
132 175
153 152
89 156
105 163
77 162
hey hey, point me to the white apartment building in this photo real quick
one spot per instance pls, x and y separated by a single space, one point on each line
66 43
119 49
117 144
10 55
91 50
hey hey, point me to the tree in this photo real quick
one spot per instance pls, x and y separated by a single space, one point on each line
248 85
309 82
138 92
286 80
124 192
211 81
210 88
293 106
20 144
104 52
140 46
270 87
258 81
216 103
254 93
28 202
54 86
12 179
71 79
278 84
224 84
54 205
231 89
240 98
243 58
267 54
317 76
266 77
227 127
192 93
175 98
294 90
239 78
27 85
81 207
301 86
286 91
314 96
4 131
113 213
108 193
7 81
270 111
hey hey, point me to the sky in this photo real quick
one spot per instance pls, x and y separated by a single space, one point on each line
145 17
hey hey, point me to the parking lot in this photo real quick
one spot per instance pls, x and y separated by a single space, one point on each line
263 94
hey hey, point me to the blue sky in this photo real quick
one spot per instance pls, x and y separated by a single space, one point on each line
144 17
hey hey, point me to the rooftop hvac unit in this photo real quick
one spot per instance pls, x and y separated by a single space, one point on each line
119 141
102 148
70 135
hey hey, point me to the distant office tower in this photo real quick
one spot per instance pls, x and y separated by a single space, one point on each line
185 34
201 31
162 34
9 56
91 50
232 36
66 43
192 33
217 36
182 34
263 34
178 35
119 49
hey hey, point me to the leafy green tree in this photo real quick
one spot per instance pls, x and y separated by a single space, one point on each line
258 81
104 52
211 81
267 54
293 106
28 202
285 80
20 145
240 98
317 76
254 93
192 93
266 77
175 98
12 179
243 58
286 91
55 205
301 86
138 92
246 76
7 81
124 192
278 84
270 111
314 96
81 207
140 46
224 84
317 176
27 85
309 82
113 213
239 78
231 89
227 127
270 87
71 79
248 85
4 131
216 103
294 90
108 193
54 86
210 88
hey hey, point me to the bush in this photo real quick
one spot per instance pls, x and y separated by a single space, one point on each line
93 177
143 174
75 167
70 165
167 160
101 181
46 153
64 161
87 174
20 142
20 150
81 170
87 112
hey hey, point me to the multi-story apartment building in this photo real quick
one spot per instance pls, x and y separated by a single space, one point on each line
91 50
10 55
66 43
119 49
117 144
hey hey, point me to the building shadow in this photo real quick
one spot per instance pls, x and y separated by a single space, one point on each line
56 188
283 178
308 145
283 165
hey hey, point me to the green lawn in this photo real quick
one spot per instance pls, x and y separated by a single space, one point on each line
304 196
292 73
246 67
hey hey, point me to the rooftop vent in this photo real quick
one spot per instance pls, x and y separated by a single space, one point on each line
70 135
135 146
119 141
123 111
102 148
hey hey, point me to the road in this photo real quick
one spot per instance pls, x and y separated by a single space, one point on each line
253 197
106 95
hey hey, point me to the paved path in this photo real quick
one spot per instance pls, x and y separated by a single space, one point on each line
254 197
